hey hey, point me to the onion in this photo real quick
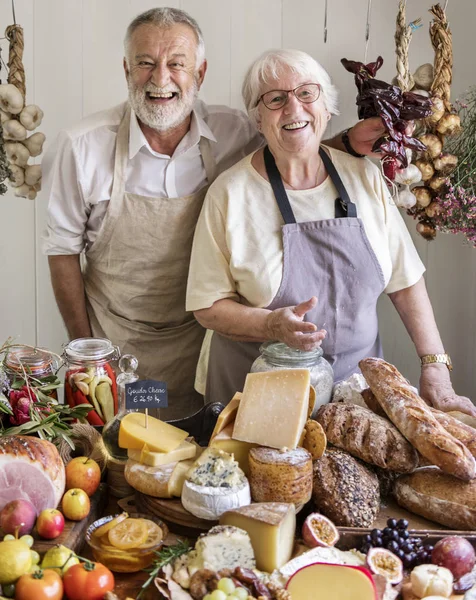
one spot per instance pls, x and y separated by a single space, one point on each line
449 124
404 198
433 144
423 195
445 164
426 230
426 169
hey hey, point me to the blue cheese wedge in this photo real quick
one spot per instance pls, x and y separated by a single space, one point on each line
223 547
214 485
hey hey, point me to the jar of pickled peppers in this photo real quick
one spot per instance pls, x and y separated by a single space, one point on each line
90 377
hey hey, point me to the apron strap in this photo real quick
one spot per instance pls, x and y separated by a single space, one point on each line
208 159
344 207
278 187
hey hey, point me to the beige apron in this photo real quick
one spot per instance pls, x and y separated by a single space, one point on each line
135 276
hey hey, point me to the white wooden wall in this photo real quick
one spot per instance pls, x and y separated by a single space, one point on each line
73 61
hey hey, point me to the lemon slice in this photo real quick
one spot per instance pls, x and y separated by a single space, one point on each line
100 531
154 534
130 533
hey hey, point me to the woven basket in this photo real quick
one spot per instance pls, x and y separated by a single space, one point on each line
118 486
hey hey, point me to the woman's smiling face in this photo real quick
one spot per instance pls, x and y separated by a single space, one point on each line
297 126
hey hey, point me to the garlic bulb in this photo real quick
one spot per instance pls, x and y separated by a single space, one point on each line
433 144
16 153
411 174
445 164
437 183
13 130
4 116
423 76
423 195
427 231
32 174
433 209
34 143
404 198
31 117
449 124
17 176
11 99
426 169
437 111
25 191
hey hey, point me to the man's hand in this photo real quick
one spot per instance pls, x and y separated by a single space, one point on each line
436 388
287 325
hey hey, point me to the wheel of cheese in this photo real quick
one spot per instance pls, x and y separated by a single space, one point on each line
161 482
280 475
210 503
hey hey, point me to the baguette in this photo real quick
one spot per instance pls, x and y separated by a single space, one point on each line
439 497
453 425
367 436
409 413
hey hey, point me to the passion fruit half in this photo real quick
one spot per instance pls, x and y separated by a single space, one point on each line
383 562
318 530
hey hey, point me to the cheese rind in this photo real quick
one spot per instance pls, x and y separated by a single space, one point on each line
273 408
165 481
227 415
240 450
159 436
271 527
332 581
206 502
155 459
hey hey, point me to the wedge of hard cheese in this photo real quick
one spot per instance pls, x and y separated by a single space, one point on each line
271 527
135 431
239 449
332 582
155 459
273 408
227 415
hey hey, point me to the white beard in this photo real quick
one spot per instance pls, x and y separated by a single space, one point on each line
166 117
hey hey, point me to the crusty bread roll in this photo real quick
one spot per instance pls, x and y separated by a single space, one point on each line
280 475
439 497
409 413
365 435
344 490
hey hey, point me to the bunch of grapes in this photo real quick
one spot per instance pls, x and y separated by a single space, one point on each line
396 538
226 590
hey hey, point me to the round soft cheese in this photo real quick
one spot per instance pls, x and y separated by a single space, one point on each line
208 502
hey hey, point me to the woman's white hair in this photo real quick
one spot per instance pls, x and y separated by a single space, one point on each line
165 17
271 65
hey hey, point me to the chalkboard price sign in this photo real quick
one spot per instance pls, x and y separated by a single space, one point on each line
146 393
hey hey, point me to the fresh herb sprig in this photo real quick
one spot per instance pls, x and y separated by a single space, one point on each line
164 557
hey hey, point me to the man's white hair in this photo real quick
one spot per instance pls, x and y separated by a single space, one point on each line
271 65
166 17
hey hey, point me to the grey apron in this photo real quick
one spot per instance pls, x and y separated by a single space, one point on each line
331 259
136 276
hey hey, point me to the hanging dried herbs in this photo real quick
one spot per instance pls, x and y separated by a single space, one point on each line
378 98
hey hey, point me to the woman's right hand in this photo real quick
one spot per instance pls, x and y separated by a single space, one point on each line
287 325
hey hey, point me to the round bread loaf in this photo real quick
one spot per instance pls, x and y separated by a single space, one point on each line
344 490
280 475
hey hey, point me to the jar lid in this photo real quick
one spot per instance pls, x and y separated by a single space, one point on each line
91 349
282 351
34 360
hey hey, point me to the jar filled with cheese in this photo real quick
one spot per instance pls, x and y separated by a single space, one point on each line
90 377
276 356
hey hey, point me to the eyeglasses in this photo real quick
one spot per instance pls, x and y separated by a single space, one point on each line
306 93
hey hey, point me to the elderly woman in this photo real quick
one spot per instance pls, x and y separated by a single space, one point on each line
297 241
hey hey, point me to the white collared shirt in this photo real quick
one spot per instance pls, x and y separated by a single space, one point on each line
78 168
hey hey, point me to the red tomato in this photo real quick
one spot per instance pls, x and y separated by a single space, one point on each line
41 585
87 581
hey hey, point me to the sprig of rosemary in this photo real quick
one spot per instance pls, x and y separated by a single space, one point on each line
164 557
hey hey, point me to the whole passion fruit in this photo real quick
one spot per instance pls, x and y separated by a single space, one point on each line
318 530
456 554
383 562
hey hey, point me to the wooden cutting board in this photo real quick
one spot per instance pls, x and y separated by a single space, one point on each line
73 535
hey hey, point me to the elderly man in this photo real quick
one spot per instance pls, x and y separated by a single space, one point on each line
125 190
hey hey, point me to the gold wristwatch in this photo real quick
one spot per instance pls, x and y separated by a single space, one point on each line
429 359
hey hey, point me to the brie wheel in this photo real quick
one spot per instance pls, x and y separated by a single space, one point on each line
209 503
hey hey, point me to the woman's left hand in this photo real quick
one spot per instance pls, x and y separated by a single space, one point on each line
437 390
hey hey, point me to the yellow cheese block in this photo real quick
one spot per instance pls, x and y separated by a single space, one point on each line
178 476
273 408
227 415
159 436
155 459
240 450
341 582
271 527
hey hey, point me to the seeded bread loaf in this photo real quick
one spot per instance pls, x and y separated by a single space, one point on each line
367 436
409 413
344 490
439 497
280 475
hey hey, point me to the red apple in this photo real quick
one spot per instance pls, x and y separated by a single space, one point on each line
83 473
75 504
18 513
50 523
